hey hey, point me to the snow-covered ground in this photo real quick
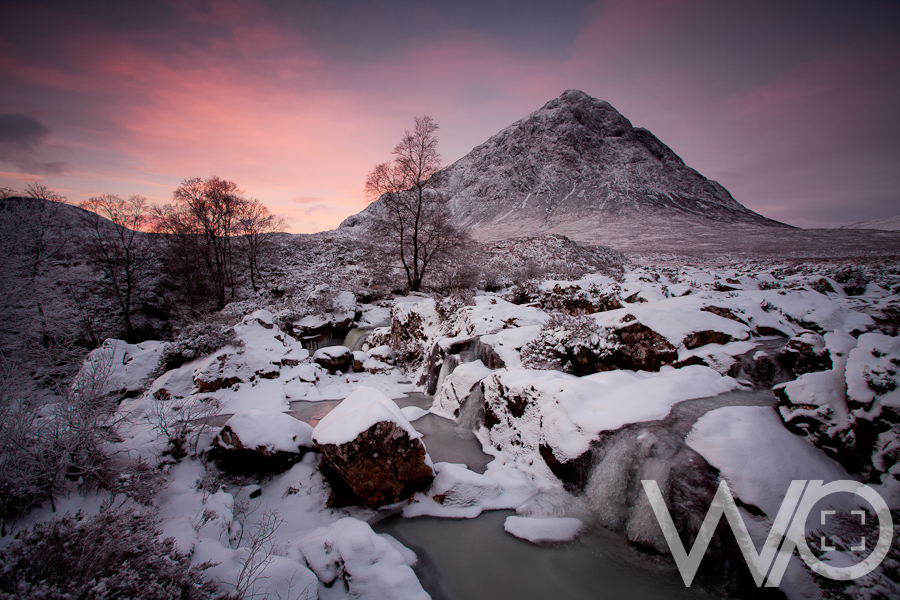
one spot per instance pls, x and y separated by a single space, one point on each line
680 330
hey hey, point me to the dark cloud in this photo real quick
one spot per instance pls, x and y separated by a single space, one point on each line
21 138
22 131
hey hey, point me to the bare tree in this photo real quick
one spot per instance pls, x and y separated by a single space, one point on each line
119 248
257 225
413 216
37 324
205 217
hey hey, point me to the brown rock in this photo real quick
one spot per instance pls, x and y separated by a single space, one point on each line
641 349
334 358
381 466
806 353
707 336
232 456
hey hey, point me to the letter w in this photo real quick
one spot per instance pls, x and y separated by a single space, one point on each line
723 502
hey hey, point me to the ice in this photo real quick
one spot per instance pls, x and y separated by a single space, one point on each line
543 529
456 387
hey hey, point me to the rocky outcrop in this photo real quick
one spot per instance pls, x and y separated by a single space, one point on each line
381 466
851 411
806 353
701 338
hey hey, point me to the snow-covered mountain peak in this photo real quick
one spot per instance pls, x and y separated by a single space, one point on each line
578 167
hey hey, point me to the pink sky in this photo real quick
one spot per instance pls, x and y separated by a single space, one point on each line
296 102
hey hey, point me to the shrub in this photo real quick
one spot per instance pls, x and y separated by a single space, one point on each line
197 339
115 554
571 343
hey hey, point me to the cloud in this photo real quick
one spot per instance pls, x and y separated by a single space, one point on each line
22 131
21 137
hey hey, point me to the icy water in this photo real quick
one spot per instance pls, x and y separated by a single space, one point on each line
475 559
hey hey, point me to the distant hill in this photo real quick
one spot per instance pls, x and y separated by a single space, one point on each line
886 224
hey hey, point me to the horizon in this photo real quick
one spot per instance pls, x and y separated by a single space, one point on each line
790 108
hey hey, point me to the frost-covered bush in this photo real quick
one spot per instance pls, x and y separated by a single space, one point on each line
571 343
198 339
113 555
523 293
854 279
449 306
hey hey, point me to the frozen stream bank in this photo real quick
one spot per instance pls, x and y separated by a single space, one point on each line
476 558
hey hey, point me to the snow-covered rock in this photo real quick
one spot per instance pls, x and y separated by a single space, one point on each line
459 493
551 417
758 457
349 554
372 447
806 353
121 367
852 410
334 358
456 387
257 441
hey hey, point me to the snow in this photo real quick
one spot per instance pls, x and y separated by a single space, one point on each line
413 413
872 370
384 353
330 352
374 316
492 314
270 429
370 565
315 545
508 343
543 529
567 412
674 319
358 412
757 455
124 366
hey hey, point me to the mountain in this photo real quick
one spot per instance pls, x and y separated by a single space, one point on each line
886 224
579 168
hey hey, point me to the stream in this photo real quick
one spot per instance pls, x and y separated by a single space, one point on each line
475 559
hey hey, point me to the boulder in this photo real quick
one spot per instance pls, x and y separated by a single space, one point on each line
359 357
370 448
334 358
641 349
256 441
707 336
806 353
